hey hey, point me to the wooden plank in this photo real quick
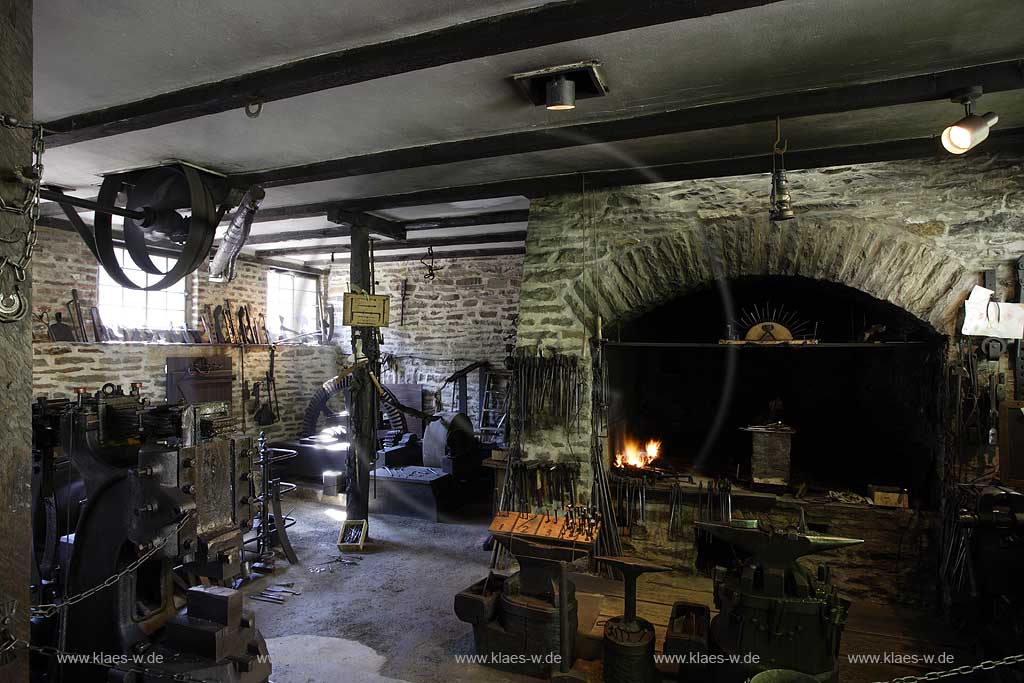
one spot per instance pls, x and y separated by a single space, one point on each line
546 24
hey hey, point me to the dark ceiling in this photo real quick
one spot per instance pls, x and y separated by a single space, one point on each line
413 116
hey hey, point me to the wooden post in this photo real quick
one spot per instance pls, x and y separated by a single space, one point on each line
16 342
363 415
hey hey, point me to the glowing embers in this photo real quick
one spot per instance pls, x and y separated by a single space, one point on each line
632 455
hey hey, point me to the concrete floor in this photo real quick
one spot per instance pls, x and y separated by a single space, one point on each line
388 619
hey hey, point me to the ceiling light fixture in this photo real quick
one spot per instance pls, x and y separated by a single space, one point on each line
561 93
781 202
558 87
972 129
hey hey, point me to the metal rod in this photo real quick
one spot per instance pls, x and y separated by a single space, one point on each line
62 198
564 643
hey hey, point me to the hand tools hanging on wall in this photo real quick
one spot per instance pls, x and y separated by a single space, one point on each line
631 504
247 332
229 323
608 542
540 485
75 315
676 522
100 332
220 329
545 389
59 330
714 504
543 487
263 326
266 414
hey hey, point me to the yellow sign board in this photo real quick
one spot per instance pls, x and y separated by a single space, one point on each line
366 310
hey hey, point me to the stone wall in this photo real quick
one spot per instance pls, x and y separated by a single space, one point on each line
299 371
915 234
911 233
63 262
15 340
466 314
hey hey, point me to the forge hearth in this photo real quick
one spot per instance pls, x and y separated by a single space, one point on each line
844 397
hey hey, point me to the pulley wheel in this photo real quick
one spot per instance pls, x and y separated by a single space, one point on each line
166 194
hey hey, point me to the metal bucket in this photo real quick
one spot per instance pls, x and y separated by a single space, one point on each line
782 676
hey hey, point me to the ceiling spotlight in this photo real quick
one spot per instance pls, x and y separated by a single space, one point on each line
561 93
972 129
781 208
558 87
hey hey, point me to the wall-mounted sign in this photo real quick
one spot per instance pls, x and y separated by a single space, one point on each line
366 310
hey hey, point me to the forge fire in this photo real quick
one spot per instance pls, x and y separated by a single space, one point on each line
632 455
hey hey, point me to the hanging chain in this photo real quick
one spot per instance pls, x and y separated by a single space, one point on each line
431 268
987 665
46 611
12 304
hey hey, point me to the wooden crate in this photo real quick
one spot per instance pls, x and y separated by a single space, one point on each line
363 526
889 496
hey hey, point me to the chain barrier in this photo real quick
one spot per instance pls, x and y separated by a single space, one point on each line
48 610
77 659
987 665
13 305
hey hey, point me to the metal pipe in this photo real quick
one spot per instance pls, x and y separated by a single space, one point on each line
222 265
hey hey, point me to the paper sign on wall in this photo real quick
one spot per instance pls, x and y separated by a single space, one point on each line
986 318
366 310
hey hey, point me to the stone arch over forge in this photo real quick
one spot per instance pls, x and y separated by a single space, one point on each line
927 281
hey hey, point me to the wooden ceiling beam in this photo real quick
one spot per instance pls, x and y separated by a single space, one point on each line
995 77
546 24
332 232
393 245
1005 140
382 227
441 222
460 254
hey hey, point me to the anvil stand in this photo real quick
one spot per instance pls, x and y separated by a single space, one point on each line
806 613
273 524
543 566
629 640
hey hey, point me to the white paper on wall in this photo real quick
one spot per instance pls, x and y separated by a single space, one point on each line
986 318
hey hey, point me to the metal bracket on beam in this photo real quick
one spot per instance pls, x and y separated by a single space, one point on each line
375 224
